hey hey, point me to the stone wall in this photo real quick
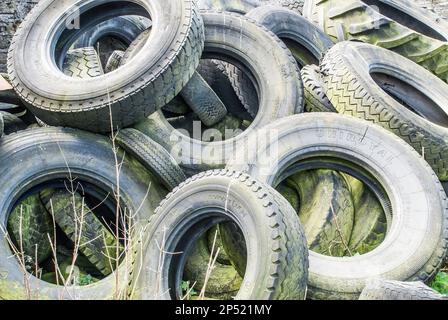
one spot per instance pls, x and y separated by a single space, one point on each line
13 11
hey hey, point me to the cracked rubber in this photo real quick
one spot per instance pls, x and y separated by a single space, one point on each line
346 70
132 93
416 244
277 253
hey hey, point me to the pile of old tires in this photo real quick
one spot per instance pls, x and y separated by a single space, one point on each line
252 149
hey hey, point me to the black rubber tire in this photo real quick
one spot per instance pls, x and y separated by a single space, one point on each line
31 232
275 68
82 63
113 63
12 123
196 93
7 94
347 71
288 25
398 25
316 99
153 157
98 243
131 93
417 241
214 72
37 157
224 282
395 290
177 106
277 253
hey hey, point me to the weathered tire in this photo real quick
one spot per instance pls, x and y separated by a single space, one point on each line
312 43
316 99
275 68
421 118
130 93
12 123
244 6
97 243
82 63
377 289
416 244
224 282
196 93
38 157
370 225
153 156
222 256
277 253
30 228
113 63
326 210
177 106
399 25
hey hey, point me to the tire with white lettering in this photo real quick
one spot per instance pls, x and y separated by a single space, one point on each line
130 94
252 47
417 241
276 246
400 96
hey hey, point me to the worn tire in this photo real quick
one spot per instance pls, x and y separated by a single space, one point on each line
316 99
417 241
153 156
12 123
312 43
400 26
347 71
377 289
224 282
131 93
113 63
97 241
277 253
82 63
38 157
275 68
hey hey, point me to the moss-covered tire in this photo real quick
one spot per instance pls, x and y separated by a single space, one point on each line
370 225
153 156
276 246
36 158
377 289
397 25
30 228
380 86
417 241
131 93
316 99
326 210
224 282
80 225
251 46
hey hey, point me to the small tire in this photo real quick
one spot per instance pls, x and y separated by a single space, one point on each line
276 246
400 96
417 241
